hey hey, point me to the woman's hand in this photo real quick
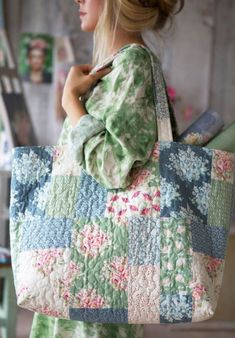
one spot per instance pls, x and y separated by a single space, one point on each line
79 81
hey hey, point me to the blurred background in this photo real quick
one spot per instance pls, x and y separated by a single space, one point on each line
198 58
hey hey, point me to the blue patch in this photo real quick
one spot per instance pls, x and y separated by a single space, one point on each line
144 241
31 164
46 233
31 169
25 199
175 308
209 240
92 197
184 169
99 315
45 153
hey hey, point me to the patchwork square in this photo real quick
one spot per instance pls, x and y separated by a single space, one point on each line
175 308
100 247
185 174
99 315
143 202
37 162
46 233
63 196
92 197
25 184
205 285
223 166
220 205
143 294
210 240
144 241
37 270
30 198
176 256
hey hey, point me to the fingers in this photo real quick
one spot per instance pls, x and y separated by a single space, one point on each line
100 73
85 68
81 76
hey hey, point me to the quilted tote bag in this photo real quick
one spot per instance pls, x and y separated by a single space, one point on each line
153 252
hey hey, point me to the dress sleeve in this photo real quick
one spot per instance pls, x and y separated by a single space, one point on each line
123 136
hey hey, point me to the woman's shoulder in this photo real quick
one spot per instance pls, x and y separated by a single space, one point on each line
133 53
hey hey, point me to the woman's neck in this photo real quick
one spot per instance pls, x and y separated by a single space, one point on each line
123 38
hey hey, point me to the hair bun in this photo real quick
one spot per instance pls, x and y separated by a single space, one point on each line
166 10
168 6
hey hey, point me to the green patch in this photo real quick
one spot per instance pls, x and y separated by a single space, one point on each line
63 196
176 256
100 247
220 204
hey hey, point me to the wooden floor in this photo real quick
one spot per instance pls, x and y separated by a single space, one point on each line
208 329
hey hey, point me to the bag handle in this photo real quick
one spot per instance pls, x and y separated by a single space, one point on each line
160 99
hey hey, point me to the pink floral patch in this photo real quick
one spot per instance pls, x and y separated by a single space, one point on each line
49 260
129 203
73 272
116 273
88 298
214 265
67 281
47 310
223 166
199 291
92 240
50 312
45 259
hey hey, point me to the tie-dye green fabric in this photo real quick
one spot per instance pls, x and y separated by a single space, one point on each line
120 130
49 327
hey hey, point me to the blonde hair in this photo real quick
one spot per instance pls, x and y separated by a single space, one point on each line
132 16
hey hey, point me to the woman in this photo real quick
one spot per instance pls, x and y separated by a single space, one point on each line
111 122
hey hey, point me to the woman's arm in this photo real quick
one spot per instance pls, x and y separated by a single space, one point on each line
74 109
126 131
78 82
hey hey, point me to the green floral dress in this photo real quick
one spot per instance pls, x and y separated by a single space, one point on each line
116 135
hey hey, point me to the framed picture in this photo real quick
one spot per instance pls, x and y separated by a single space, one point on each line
36 58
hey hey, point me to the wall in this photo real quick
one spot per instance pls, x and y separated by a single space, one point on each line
197 55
